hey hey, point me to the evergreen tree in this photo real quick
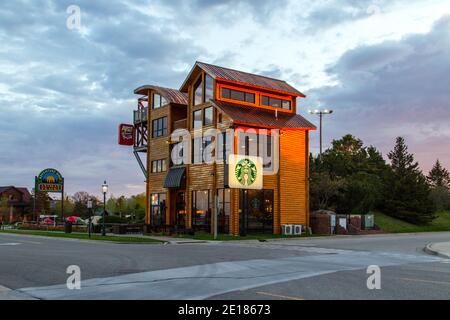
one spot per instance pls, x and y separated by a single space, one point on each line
439 176
406 190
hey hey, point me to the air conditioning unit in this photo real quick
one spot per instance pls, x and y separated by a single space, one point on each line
287 229
297 229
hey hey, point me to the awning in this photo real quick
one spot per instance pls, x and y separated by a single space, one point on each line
176 178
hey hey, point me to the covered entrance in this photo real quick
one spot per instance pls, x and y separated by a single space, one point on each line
175 181
256 211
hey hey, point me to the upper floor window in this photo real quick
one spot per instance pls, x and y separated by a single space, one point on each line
200 151
276 102
159 166
208 116
238 95
159 127
197 119
198 92
158 101
209 88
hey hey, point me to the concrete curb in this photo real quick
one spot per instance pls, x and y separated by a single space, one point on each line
436 252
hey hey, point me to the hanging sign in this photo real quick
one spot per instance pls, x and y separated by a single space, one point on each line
126 135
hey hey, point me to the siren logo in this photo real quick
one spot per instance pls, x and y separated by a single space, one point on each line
246 172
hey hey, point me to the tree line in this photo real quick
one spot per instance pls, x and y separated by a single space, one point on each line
350 178
132 207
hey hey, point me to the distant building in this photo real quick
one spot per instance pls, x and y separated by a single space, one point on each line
18 204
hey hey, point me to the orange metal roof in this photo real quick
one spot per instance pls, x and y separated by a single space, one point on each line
258 117
171 95
245 78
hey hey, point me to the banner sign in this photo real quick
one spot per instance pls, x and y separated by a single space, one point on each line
49 180
245 172
126 134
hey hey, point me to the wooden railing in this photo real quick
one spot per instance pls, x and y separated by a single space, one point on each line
140 115
180 124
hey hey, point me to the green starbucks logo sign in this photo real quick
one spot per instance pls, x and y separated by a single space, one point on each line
245 172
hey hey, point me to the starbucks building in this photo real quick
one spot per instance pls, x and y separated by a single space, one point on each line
226 147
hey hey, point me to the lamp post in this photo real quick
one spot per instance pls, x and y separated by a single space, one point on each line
320 113
104 190
89 206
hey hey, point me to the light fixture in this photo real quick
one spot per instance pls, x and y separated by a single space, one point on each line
320 113
104 187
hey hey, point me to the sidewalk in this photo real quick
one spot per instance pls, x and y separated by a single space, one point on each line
168 239
441 249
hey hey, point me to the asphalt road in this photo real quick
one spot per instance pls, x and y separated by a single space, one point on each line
317 268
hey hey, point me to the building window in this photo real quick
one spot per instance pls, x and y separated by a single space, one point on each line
238 95
224 206
208 116
197 119
158 209
201 210
197 151
225 145
209 88
159 127
199 146
248 144
158 101
275 102
159 166
257 208
198 92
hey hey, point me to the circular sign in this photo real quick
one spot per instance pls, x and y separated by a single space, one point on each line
246 172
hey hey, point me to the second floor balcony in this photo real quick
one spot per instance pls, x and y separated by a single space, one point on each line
180 124
140 115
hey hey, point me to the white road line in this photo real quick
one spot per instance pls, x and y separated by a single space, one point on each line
10 244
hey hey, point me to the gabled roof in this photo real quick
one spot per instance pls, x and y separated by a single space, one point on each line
251 116
262 82
3 189
171 95
26 194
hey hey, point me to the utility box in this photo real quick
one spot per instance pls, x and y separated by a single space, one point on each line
287 229
369 221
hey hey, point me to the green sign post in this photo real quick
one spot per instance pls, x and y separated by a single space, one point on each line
49 181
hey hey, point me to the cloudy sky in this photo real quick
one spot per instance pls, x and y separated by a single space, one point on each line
383 66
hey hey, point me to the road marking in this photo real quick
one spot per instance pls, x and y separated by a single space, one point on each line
32 242
4 289
278 296
428 281
9 244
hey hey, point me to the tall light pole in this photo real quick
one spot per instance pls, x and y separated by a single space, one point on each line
320 113
104 190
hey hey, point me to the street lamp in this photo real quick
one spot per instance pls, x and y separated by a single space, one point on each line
104 190
320 113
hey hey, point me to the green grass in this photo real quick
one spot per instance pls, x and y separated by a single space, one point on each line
392 225
83 236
